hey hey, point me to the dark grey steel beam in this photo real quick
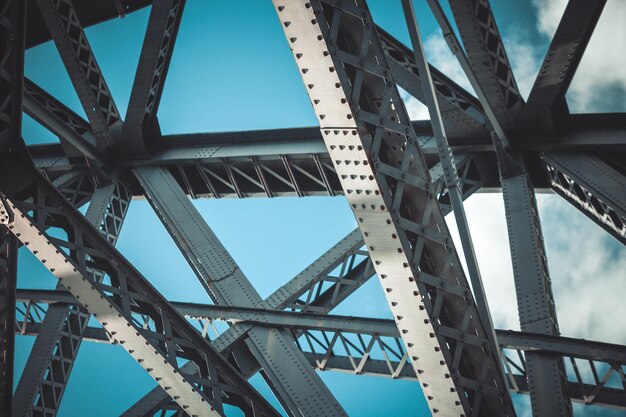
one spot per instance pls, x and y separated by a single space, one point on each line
487 56
592 186
300 389
50 363
8 279
343 265
12 31
382 170
12 36
70 39
159 344
547 380
309 319
559 66
74 132
158 46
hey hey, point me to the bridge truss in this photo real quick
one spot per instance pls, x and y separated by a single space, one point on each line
399 176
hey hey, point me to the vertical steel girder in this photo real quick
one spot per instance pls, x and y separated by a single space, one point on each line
299 388
377 158
12 38
12 35
162 339
487 56
154 61
93 92
8 278
50 363
547 380
592 186
564 54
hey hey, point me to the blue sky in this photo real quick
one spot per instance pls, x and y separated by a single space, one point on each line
232 70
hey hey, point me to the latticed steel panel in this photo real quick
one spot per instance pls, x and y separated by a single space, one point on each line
592 186
45 375
485 50
93 92
365 346
74 250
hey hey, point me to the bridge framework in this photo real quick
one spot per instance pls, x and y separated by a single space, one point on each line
399 176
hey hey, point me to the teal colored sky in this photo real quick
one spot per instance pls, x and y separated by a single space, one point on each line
232 70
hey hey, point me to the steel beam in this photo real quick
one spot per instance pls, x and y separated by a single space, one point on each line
461 110
299 388
592 186
156 53
375 152
8 279
50 363
547 380
70 39
304 292
559 66
73 131
158 344
12 36
12 33
487 56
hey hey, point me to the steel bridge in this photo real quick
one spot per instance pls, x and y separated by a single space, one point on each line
399 176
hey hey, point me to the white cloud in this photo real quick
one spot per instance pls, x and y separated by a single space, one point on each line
485 213
586 266
524 60
549 14
439 55
415 108
600 81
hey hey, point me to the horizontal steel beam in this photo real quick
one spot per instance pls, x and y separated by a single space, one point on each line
255 168
508 339
308 328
